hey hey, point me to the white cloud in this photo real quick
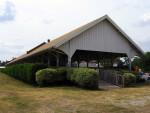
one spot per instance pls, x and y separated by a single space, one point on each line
7 12
145 17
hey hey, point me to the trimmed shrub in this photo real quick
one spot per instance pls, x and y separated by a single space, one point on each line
87 78
50 76
129 78
62 71
71 75
25 72
83 77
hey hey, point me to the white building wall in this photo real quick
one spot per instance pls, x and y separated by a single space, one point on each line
101 37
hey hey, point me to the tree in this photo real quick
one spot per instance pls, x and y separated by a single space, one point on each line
2 63
106 63
119 62
143 62
136 62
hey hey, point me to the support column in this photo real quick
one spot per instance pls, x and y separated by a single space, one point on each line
98 62
78 63
129 64
112 62
28 60
57 59
69 62
57 63
48 61
37 59
42 59
87 60
87 63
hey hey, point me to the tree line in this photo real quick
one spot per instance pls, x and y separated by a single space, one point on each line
2 63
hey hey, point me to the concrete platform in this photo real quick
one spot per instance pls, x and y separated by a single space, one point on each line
106 86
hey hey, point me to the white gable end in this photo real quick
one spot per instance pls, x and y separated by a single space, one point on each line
101 37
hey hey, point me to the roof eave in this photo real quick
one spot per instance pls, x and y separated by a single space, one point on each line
30 55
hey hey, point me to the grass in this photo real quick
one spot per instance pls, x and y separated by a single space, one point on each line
19 97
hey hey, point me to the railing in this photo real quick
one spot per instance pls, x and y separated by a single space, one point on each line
113 78
110 77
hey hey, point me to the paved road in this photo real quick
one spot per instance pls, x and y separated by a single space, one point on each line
105 85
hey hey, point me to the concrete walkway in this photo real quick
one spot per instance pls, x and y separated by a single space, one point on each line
106 86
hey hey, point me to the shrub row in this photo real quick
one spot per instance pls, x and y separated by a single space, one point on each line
82 77
25 72
136 73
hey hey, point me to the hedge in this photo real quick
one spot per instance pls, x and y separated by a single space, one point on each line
25 72
82 77
129 78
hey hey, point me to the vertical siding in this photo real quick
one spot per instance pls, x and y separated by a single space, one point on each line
101 37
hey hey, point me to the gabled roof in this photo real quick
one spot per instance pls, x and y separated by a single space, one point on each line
63 39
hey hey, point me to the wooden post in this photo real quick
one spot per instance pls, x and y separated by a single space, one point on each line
112 62
57 58
87 60
78 63
98 62
129 64
42 59
87 63
28 60
77 58
48 61
37 59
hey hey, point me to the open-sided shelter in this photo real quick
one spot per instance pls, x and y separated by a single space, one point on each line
101 38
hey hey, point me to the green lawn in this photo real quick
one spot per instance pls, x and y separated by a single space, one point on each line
19 97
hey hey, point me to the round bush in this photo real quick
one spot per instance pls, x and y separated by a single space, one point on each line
129 78
49 76
87 78
84 77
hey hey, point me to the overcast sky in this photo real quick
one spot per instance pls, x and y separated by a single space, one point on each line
27 23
